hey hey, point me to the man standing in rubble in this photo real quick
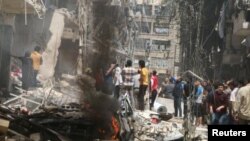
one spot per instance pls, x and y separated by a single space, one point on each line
128 73
37 61
198 102
187 90
117 81
108 78
154 88
178 94
143 71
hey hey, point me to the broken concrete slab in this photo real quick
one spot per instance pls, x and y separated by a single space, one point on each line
51 52
146 130
4 125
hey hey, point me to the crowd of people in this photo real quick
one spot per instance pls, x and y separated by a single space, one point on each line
208 102
115 78
211 103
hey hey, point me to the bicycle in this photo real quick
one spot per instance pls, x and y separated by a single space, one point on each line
126 116
125 105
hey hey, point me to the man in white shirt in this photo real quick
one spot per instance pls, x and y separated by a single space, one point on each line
117 81
232 100
242 105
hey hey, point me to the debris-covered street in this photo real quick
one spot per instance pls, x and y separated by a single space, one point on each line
122 70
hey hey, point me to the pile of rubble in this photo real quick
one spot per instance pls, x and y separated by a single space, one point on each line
58 113
160 124
63 112
64 123
150 126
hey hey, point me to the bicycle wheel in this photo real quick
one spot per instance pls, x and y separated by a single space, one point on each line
129 108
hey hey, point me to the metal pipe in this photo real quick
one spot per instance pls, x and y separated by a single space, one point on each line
193 74
25 12
159 108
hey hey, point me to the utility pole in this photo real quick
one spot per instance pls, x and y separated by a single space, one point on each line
85 34
83 23
189 128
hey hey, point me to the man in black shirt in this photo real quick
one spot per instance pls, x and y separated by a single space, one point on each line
187 90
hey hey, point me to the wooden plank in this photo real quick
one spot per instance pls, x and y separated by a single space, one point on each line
4 125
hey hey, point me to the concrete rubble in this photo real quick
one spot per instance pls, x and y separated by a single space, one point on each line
147 129
53 113
60 103
151 126
53 94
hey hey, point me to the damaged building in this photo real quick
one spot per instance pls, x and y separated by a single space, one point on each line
48 24
214 38
158 37
60 29
79 39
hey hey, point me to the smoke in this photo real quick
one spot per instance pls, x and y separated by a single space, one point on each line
107 24
100 107
104 22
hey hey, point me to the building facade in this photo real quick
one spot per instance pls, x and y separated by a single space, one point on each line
158 39
236 57
215 47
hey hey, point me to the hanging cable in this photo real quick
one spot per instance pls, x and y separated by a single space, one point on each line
25 12
1 4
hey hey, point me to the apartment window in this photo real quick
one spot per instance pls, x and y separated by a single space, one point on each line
138 8
158 63
162 28
161 45
161 63
145 10
140 44
157 10
145 27
154 47
165 11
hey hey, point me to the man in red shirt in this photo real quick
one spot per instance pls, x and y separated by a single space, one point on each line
153 88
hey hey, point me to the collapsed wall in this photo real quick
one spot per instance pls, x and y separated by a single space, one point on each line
50 54
45 33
